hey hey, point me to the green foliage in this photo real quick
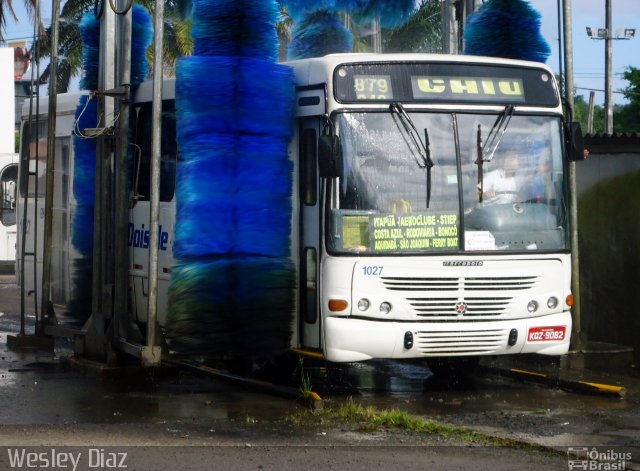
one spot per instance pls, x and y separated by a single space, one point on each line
177 38
305 381
177 41
626 118
6 7
283 29
372 419
632 92
581 113
420 34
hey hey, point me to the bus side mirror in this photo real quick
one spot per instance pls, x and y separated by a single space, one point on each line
574 141
329 156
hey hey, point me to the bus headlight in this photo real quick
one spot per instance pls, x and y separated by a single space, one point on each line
552 302
363 304
532 306
385 307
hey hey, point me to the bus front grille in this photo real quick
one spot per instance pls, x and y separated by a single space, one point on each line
455 342
454 308
471 298
498 283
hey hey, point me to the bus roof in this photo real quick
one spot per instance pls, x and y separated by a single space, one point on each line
66 103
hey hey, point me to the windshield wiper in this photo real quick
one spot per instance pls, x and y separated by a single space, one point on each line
424 148
497 132
493 142
479 162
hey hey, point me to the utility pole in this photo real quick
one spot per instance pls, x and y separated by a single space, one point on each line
608 83
577 337
606 34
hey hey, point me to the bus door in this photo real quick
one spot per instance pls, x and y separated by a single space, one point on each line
138 236
310 109
8 179
31 188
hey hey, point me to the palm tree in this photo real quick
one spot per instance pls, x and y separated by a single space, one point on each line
283 29
69 44
6 6
177 41
177 38
421 33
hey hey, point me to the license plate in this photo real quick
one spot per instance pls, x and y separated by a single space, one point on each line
546 334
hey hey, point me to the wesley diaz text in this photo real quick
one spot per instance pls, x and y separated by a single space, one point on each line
57 459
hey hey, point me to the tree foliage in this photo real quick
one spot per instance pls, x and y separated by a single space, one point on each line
6 8
421 33
581 114
177 38
627 117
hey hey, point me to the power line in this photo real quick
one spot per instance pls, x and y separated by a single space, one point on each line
614 91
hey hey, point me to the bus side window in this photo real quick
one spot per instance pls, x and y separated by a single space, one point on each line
309 179
311 296
168 152
33 141
8 192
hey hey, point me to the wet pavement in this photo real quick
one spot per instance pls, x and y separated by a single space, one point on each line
44 397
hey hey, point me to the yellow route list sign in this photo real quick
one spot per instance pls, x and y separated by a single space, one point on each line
410 232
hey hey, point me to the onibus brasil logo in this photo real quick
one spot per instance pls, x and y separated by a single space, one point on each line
594 459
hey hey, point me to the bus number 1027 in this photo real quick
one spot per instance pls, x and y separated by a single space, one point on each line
374 270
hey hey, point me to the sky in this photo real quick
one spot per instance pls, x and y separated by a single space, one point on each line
589 54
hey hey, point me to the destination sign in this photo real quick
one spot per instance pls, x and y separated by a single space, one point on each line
411 232
444 82
373 87
467 87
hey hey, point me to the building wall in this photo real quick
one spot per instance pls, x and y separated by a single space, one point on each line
609 237
7 117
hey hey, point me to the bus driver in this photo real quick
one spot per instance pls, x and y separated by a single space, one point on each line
500 186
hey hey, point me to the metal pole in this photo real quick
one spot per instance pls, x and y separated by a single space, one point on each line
27 159
377 36
102 194
449 28
577 339
156 140
94 342
470 7
560 55
121 200
592 98
51 158
608 82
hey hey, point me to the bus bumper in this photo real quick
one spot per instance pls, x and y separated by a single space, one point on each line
355 339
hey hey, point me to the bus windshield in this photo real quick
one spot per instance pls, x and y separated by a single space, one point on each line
481 194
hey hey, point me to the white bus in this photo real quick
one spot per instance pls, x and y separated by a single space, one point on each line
8 233
404 243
